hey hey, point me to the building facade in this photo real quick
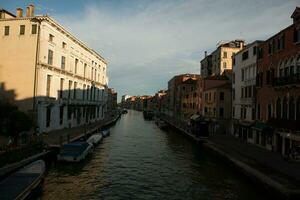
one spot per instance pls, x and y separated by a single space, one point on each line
112 99
243 91
217 106
59 80
278 89
175 103
206 65
220 59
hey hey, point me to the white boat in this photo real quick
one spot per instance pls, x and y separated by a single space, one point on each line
105 133
95 139
20 184
74 152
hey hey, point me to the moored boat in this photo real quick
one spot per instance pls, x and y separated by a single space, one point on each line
95 139
19 185
161 124
105 133
148 114
74 152
124 111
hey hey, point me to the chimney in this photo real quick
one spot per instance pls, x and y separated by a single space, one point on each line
19 12
30 11
205 54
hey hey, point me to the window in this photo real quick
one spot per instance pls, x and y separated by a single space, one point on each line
270 47
280 42
48 116
224 54
75 89
278 108
76 65
233 94
221 96
50 57
245 55
296 34
260 53
61 88
61 114
48 86
84 70
224 65
242 93
51 38
83 92
243 74
70 87
254 50
63 62
22 29
284 108
253 114
64 45
242 113
6 30
33 29
292 109
221 112
258 111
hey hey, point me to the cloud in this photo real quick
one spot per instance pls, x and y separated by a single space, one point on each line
147 42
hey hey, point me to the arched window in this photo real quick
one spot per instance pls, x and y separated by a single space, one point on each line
278 108
284 108
292 109
298 109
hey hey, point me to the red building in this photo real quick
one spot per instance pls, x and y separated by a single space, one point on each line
278 90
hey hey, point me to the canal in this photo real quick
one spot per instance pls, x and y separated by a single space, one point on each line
140 161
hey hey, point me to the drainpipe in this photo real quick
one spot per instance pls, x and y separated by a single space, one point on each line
35 70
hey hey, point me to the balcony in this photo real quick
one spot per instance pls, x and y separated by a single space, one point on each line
287 80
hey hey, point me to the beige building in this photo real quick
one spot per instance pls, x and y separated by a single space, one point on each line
221 58
56 78
217 107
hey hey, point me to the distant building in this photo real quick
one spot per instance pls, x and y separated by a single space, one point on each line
190 98
125 97
206 65
112 99
278 90
244 91
57 79
220 59
216 100
175 98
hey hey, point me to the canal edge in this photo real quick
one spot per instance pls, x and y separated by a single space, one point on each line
255 175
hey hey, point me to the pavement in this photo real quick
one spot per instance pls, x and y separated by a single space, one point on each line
269 163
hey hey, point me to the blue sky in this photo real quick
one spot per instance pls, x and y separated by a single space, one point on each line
146 42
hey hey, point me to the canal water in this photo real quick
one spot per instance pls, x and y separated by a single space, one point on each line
140 161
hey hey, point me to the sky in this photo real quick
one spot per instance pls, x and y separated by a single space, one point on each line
147 42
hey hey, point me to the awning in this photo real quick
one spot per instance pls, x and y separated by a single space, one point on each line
246 123
261 126
195 117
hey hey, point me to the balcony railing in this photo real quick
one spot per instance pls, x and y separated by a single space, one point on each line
287 80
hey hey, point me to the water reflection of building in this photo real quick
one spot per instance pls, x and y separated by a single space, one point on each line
57 78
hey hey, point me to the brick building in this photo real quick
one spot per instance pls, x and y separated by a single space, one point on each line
278 89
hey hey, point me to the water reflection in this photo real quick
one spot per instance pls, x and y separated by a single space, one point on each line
139 161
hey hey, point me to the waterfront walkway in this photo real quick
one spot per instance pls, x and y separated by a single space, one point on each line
269 163
59 137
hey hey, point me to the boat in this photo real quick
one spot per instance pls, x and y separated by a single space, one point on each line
21 184
95 139
161 124
105 133
75 151
148 114
124 111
